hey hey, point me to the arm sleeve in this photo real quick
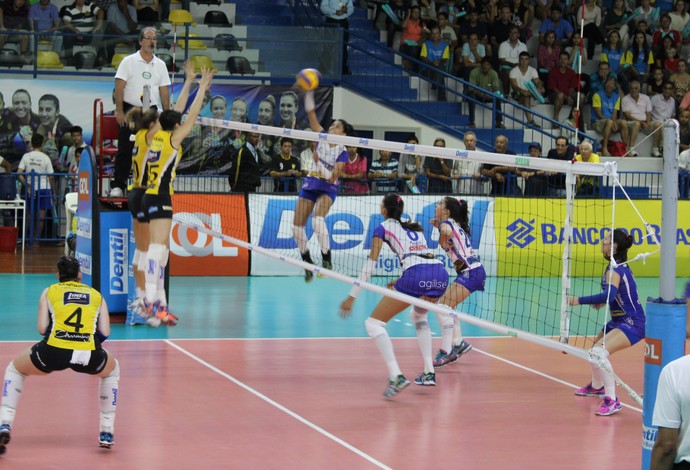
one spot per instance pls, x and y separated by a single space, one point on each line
367 270
599 298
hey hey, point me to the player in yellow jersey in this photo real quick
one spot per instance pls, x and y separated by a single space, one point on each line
162 158
144 123
74 319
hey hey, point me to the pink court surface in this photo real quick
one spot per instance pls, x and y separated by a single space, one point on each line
317 403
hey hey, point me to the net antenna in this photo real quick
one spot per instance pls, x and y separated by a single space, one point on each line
515 304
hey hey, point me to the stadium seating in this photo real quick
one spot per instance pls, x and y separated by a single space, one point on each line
180 17
49 60
226 42
239 65
85 60
10 58
117 58
216 18
192 42
200 61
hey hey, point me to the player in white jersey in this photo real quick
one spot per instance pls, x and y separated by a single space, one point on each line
423 277
320 188
452 221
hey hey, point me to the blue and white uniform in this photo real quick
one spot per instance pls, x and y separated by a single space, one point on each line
316 182
472 276
627 313
423 274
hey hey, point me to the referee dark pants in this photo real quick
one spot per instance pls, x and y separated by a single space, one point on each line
123 160
345 24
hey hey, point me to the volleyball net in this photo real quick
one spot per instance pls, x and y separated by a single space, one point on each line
536 251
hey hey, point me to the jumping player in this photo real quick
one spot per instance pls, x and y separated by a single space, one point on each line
320 188
627 324
145 125
423 277
452 221
162 158
74 319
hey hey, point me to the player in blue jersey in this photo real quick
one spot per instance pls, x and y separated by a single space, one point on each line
452 221
423 277
627 324
319 188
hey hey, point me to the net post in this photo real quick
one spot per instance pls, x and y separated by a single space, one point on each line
568 236
666 318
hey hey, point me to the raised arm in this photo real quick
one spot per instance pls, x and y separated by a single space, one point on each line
186 127
310 107
189 77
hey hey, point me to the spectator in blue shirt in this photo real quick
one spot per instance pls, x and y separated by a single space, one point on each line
44 17
563 29
435 54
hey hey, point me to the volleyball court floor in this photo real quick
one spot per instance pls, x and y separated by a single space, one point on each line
262 373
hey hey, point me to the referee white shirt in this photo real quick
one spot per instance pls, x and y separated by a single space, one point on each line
136 72
672 410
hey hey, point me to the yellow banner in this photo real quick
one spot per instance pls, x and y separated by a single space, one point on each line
530 236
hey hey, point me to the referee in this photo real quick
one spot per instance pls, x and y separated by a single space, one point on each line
141 80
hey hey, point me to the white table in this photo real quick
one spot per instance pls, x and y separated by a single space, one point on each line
16 205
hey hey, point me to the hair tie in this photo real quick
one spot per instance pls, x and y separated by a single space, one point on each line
399 199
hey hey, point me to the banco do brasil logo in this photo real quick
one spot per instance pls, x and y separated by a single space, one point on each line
520 233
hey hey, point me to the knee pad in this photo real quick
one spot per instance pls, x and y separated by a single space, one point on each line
599 355
157 253
418 315
115 373
139 258
319 224
374 327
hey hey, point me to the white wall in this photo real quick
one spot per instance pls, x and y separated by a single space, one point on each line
363 113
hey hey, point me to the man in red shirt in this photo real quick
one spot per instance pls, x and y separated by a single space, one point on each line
562 86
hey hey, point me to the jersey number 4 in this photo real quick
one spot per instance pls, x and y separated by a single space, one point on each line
74 320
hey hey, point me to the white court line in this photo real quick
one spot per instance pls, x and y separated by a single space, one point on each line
542 374
279 406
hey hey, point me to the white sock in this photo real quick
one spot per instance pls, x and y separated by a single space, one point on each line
11 393
160 282
421 325
457 331
107 392
377 330
154 260
300 235
446 322
597 377
321 231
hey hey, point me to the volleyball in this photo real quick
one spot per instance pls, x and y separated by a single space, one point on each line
308 79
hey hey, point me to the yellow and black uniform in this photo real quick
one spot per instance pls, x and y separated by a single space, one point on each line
135 191
162 159
71 341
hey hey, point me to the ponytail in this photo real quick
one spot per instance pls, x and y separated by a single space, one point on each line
394 206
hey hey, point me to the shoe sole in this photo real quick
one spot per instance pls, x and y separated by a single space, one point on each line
441 364
464 351
600 395
4 440
105 445
425 384
609 413
397 390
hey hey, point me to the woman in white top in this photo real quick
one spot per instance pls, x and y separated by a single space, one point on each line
320 188
591 20
423 277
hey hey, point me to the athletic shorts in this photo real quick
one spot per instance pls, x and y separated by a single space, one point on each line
634 333
314 195
44 199
134 197
157 206
429 280
472 279
49 359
